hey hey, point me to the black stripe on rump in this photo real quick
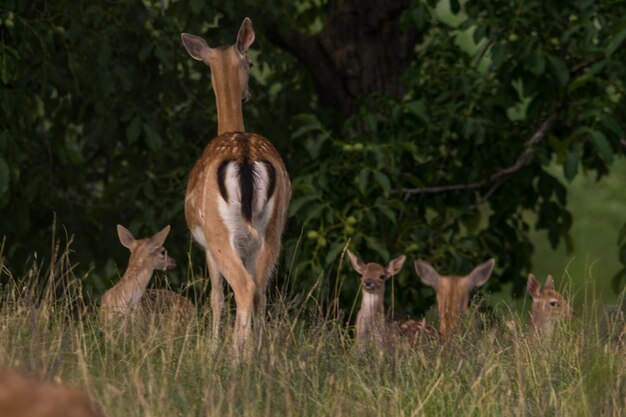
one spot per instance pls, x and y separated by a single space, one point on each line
221 177
271 173
246 185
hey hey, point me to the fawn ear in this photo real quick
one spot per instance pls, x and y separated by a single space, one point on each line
357 263
158 239
245 37
480 275
549 285
427 273
395 265
126 237
533 285
197 47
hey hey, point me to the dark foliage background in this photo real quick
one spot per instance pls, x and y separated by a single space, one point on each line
399 137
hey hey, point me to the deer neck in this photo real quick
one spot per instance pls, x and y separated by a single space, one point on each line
133 284
371 315
228 100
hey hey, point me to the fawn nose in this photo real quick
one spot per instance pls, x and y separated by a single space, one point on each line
369 284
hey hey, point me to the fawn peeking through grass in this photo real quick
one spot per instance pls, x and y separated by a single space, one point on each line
129 299
371 327
549 307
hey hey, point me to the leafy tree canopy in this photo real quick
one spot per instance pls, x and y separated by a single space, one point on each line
437 147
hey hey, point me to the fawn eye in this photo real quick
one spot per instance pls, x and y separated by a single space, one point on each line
554 303
382 277
250 64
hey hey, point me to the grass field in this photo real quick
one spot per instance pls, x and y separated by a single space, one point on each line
307 365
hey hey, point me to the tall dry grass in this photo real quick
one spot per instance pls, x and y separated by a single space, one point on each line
306 364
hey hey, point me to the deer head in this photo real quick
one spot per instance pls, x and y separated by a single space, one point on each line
453 292
147 254
373 275
230 72
549 306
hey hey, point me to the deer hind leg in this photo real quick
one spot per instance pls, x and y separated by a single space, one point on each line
264 268
217 294
229 263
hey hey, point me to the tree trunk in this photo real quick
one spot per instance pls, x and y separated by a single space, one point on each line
361 49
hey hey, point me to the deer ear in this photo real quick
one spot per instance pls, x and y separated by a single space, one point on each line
245 37
395 265
196 46
533 285
126 237
357 263
158 239
480 275
549 285
427 273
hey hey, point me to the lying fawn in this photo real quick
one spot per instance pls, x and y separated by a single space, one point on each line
549 307
453 293
371 326
26 396
129 296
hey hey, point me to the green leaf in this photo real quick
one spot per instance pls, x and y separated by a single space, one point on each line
153 139
615 43
418 108
611 124
455 6
383 180
298 203
538 62
602 146
363 180
378 247
383 208
559 68
4 176
570 166
133 130
196 6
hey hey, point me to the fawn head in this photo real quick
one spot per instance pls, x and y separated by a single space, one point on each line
453 293
549 306
228 63
147 253
373 275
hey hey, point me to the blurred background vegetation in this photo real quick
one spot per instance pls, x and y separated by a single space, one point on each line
449 131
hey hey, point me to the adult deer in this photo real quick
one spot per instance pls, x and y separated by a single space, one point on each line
129 299
238 191
549 307
453 292
27 396
371 327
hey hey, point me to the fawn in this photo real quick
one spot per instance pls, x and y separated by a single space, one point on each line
453 293
26 396
129 299
371 327
549 307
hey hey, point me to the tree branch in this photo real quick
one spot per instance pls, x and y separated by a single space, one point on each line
499 177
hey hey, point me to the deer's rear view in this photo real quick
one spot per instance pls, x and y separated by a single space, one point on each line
238 191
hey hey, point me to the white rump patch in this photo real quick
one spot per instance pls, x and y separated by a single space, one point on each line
198 234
